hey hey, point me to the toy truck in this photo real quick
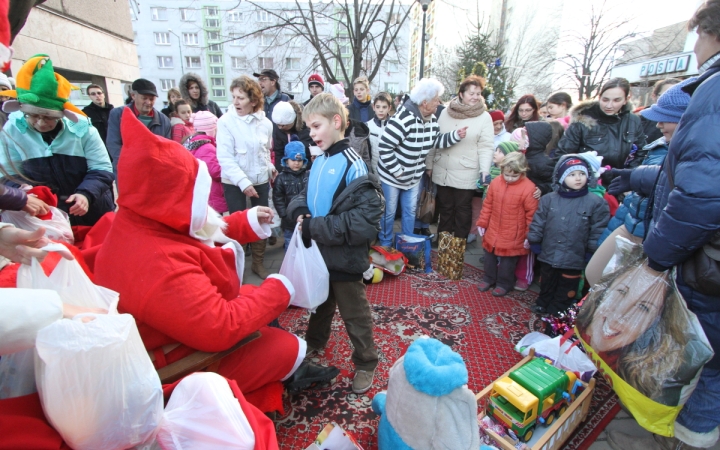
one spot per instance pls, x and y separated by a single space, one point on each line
535 392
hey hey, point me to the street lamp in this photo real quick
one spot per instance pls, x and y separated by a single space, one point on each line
424 4
182 70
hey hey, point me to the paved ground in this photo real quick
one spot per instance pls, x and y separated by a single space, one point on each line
473 254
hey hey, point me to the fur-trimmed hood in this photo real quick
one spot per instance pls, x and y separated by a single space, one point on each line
190 76
589 113
299 124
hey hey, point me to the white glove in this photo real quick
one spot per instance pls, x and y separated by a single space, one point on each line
526 244
481 231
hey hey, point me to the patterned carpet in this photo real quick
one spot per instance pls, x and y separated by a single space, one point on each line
482 328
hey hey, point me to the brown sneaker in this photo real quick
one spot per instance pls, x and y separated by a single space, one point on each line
363 381
621 441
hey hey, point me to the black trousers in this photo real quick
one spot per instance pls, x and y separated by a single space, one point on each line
236 199
455 207
500 270
558 288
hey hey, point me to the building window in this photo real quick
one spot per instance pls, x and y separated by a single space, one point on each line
344 46
159 13
190 39
293 87
215 48
217 70
216 82
213 35
218 92
394 18
392 87
235 16
211 11
165 62
262 16
265 40
212 23
292 63
187 14
392 66
166 85
238 63
346 63
162 38
192 62
236 41
265 63
216 59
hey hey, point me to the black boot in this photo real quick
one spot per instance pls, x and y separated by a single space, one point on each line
309 374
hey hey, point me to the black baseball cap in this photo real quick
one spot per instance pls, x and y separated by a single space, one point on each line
267 73
145 87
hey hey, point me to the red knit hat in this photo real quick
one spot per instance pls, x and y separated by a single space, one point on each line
497 115
316 79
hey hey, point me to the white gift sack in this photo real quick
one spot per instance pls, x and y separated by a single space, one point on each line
57 228
203 413
563 353
17 376
306 270
96 382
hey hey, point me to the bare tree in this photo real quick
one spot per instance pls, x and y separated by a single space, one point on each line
445 68
588 61
350 38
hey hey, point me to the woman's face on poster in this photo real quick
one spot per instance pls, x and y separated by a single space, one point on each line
631 305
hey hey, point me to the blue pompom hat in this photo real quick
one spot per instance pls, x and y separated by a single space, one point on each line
671 105
294 150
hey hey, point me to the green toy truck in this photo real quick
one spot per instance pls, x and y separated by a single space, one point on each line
536 392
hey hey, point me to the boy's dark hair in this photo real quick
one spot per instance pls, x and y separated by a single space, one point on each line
383 97
96 86
173 107
621 83
707 18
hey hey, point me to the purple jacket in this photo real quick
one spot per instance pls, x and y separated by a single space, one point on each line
203 148
12 199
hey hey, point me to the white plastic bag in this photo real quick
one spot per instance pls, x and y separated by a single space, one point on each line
203 413
306 270
57 228
17 374
562 352
96 382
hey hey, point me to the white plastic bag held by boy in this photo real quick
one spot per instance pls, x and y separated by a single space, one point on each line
96 382
306 270
57 228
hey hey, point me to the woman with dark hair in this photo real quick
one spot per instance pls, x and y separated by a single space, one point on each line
525 110
456 169
244 138
558 107
194 90
607 126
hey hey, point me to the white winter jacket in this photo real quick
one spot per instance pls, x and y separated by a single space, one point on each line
243 148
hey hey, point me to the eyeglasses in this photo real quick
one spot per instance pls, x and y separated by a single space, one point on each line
41 118
96 93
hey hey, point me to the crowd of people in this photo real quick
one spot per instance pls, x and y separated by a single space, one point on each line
546 185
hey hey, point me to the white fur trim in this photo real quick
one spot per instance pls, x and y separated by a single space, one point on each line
286 282
5 54
239 258
261 229
200 198
302 350
702 440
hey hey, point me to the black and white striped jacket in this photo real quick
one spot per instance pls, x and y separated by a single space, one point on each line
405 142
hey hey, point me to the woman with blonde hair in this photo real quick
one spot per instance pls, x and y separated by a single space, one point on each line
172 96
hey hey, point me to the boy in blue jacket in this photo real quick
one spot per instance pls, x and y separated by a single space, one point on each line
340 210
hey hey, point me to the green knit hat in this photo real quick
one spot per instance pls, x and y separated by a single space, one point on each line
508 147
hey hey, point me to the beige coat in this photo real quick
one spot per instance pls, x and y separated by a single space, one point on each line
460 166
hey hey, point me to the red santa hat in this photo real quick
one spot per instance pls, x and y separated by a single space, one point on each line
162 181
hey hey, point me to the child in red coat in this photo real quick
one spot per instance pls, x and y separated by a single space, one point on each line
504 223
180 121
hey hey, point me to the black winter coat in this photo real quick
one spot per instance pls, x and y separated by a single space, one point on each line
287 186
568 228
354 110
99 117
344 235
611 136
541 165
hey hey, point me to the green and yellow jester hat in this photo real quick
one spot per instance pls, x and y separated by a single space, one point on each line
39 90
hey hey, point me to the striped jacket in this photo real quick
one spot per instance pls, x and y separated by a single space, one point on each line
405 142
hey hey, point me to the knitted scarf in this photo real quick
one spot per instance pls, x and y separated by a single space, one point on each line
459 110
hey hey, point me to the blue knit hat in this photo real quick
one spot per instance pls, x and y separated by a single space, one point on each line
671 105
294 150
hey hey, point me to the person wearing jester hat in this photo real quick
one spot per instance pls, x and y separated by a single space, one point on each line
184 291
50 142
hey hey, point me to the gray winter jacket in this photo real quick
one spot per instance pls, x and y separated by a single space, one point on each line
568 228
345 233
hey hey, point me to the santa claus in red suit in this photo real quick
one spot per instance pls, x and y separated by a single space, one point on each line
178 268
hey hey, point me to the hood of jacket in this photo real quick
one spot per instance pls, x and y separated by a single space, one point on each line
539 135
413 108
589 113
592 179
190 76
198 140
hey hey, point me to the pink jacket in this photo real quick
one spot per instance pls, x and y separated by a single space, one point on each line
203 148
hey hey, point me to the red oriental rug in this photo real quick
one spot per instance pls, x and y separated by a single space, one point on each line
480 327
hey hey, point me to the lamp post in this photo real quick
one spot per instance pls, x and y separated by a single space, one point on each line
424 4
182 70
